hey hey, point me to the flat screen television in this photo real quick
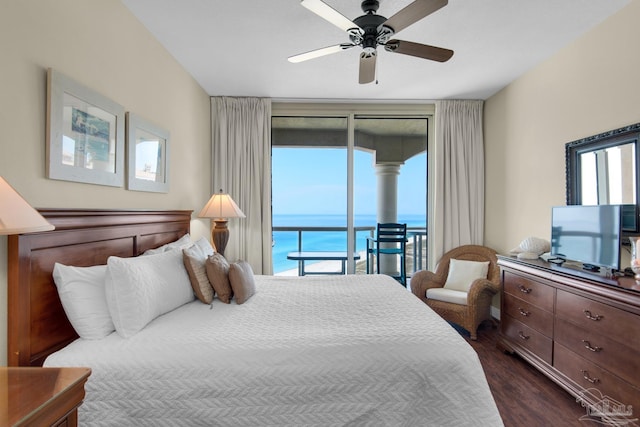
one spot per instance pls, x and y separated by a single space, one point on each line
587 234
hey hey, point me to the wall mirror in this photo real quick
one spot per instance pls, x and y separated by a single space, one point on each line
603 169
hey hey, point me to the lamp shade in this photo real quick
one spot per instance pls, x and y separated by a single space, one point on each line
221 205
16 215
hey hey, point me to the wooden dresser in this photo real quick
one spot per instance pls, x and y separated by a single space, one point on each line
41 396
580 329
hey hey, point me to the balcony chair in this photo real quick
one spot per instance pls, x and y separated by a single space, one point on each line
462 287
391 239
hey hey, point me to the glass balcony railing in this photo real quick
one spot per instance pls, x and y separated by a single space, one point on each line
288 239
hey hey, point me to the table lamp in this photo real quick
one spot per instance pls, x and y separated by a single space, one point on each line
16 215
220 207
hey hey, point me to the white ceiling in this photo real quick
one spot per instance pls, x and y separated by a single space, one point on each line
240 47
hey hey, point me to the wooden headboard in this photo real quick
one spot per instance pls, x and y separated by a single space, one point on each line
37 324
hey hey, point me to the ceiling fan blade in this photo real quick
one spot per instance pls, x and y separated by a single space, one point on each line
367 67
420 50
413 13
325 11
319 52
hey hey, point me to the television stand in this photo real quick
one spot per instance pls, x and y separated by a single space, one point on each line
580 329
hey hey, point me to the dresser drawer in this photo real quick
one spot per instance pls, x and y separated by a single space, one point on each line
533 292
529 314
594 380
599 318
609 354
527 337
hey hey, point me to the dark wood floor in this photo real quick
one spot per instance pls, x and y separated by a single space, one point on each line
523 395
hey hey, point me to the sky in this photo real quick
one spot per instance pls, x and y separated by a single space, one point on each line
314 181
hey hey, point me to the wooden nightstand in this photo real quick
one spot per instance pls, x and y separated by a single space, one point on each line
41 396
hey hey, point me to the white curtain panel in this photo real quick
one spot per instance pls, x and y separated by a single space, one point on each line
459 189
241 150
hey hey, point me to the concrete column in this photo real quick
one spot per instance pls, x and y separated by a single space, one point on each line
387 210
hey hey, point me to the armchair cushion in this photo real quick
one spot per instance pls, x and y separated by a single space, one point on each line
462 273
447 295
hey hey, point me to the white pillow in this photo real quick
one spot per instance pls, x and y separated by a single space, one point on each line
462 273
83 297
142 288
205 246
181 243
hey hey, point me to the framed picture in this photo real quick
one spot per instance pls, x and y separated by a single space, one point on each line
147 156
85 134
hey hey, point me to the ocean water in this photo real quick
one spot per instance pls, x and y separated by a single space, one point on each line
287 241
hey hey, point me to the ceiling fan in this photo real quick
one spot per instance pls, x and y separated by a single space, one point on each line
372 30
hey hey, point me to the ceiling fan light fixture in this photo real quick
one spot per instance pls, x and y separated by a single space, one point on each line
355 35
372 30
384 34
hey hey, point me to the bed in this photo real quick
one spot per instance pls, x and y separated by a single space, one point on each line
322 350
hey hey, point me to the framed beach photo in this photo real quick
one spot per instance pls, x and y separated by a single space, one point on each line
85 134
147 155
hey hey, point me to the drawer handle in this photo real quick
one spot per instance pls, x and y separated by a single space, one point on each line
524 313
591 316
523 336
588 345
586 376
524 290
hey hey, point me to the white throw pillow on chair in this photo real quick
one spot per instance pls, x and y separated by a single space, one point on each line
462 273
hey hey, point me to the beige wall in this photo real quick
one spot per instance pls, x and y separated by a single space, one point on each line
589 87
101 45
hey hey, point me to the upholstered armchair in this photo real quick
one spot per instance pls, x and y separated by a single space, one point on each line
451 300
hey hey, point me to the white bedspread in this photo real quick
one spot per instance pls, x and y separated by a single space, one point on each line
322 350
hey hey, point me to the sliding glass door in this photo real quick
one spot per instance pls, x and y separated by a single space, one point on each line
391 183
335 177
309 193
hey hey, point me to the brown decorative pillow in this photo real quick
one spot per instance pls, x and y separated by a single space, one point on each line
218 273
194 262
242 281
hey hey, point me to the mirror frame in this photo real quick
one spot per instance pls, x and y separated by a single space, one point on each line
612 138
